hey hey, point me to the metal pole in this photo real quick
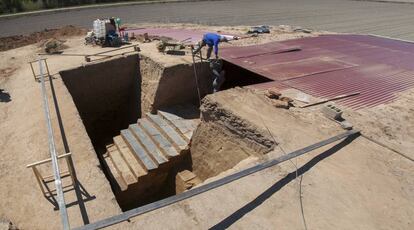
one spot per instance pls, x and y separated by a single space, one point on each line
196 77
52 150
212 185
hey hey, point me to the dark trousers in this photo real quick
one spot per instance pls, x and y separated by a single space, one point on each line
201 45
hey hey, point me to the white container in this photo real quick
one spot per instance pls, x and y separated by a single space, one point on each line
96 27
99 28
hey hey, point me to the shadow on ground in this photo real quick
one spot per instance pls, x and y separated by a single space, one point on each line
237 215
4 96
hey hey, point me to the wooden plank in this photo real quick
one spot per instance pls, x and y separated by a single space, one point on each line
47 160
139 151
146 141
158 138
38 179
51 178
121 165
169 132
331 99
129 157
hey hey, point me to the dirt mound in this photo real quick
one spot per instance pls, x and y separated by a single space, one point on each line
54 46
12 42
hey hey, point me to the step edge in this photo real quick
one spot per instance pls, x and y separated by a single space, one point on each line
179 131
177 153
177 146
120 181
149 153
132 154
120 171
147 168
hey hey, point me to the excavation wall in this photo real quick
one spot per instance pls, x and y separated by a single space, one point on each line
107 95
226 134
166 86
112 94
237 76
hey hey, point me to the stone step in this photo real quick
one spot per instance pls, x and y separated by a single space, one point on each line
121 165
129 157
139 152
168 131
186 111
148 144
185 127
115 173
158 138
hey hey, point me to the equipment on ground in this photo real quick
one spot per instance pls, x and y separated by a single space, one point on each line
171 46
332 112
107 32
259 29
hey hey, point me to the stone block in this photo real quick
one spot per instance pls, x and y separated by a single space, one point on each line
185 180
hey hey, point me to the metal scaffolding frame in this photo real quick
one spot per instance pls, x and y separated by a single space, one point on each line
56 176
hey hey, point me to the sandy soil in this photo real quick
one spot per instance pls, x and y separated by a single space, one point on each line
360 186
277 33
391 124
12 42
354 184
23 140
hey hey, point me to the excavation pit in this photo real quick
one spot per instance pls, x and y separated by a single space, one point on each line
24 130
107 96
237 76
117 100
140 115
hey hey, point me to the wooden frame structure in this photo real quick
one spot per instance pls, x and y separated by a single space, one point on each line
60 199
88 56
44 180
136 49
38 76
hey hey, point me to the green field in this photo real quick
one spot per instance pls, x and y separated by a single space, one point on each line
15 6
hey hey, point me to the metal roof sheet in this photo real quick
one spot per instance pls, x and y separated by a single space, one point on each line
331 65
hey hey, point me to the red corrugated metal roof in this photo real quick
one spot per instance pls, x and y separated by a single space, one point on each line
332 65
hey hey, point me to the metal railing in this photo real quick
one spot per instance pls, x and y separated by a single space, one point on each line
44 180
52 149
125 216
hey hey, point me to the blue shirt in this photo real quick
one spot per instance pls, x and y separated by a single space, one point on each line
211 40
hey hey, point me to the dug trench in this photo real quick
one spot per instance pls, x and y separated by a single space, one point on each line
111 95
239 77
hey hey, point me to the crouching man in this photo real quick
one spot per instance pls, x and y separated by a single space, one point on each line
212 40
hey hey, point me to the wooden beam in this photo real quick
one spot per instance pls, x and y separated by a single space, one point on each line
47 160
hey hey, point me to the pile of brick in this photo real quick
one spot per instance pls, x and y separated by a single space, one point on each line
278 100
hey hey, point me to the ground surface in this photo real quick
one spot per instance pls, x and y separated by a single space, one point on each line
383 18
360 186
12 42
354 184
23 140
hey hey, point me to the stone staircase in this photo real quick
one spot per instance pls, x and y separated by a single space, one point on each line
142 156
